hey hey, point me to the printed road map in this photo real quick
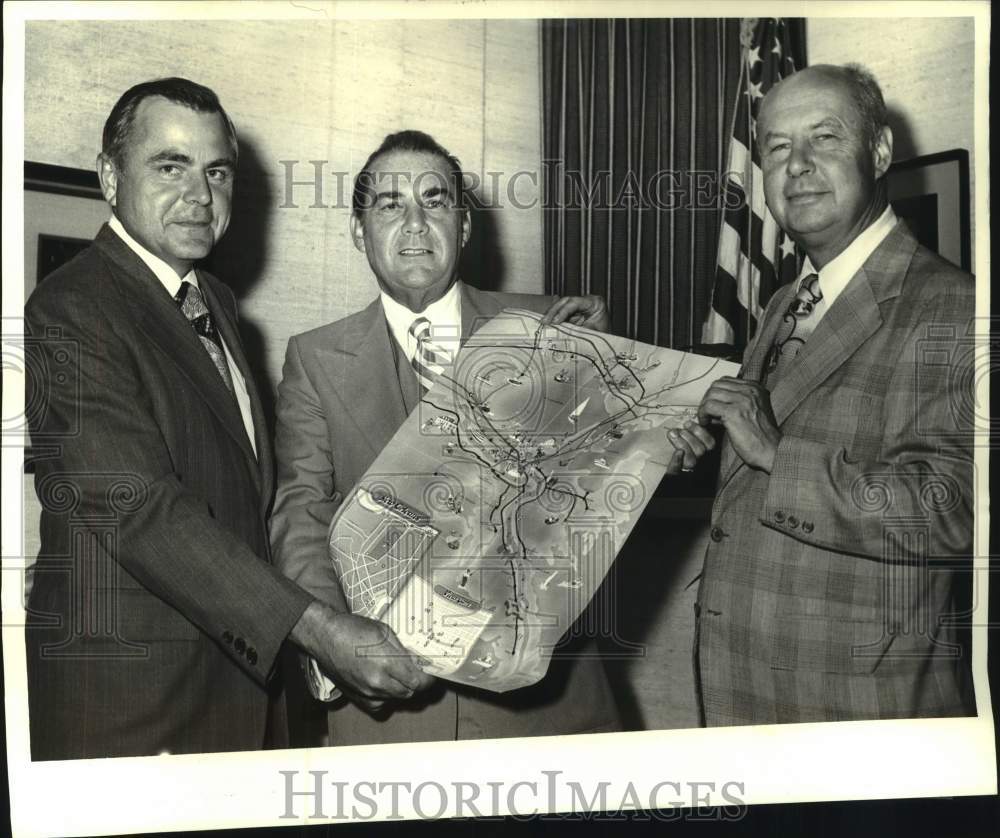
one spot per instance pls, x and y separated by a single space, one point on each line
483 529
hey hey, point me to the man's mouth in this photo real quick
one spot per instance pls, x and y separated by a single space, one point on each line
415 251
194 223
804 197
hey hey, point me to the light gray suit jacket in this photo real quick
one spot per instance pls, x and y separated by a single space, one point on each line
341 399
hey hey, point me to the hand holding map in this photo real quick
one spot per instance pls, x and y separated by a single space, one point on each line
482 530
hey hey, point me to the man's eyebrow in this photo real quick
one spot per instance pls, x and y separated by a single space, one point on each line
827 122
390 194
436 191
170 155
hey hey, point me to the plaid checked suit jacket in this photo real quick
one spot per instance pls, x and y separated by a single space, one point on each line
827 583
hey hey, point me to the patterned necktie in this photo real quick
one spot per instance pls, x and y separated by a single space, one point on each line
192 305
797 323
430 358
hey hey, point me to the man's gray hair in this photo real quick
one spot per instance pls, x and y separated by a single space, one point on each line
868 99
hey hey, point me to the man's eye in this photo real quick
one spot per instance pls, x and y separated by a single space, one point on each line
826 137
389 206
169 169
777 148
219 175
433 203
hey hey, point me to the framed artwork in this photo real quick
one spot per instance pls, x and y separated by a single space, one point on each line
931 194
63 210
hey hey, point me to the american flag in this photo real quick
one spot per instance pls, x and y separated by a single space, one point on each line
755 256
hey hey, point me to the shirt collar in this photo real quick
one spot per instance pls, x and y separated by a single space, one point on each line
835 274
445 315
167 275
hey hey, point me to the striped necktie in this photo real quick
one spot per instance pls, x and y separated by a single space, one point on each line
430 358
192 306
797 323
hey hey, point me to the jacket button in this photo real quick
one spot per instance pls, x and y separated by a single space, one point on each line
252 656
227 636
240 645
793 522
779 516
807 526
717 534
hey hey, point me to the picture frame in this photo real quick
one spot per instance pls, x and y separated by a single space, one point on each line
931 194
63 210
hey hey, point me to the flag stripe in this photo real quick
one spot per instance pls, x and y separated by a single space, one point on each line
751 263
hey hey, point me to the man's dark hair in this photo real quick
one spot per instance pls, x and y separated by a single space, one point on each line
409 140
118 127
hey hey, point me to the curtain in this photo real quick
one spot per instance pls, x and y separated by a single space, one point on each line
635 117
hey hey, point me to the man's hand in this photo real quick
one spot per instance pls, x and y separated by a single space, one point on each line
690 444
744 409
362 657
590 312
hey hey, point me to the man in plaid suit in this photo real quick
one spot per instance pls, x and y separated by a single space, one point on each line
842 527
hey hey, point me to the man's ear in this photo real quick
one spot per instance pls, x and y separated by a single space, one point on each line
107 174
882 153
466 226
357 232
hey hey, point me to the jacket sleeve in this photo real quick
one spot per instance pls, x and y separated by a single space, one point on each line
93 401
306 500
915 497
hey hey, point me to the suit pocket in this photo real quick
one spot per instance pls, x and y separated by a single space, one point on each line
825 644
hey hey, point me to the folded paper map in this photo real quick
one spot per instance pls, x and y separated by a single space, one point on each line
483 529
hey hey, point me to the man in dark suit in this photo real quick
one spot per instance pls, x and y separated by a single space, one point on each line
845 505
155 615
346 389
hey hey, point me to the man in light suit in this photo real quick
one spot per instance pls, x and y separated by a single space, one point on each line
845 504
346 389
155 616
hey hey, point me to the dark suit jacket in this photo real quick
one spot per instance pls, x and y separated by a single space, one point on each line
156 616
340 401
819 597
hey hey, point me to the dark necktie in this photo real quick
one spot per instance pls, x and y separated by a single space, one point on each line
797 323
430 358
192 305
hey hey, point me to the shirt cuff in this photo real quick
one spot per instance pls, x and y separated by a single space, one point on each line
321 687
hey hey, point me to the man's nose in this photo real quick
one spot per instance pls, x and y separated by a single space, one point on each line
415 220
197 189
800 159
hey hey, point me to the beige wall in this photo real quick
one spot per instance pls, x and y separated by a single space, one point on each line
310 91
925 67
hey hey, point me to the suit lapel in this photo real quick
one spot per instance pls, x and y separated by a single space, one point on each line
477 309
362 368
159 319
853 318
850 321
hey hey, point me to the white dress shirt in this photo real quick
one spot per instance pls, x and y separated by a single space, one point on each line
835 274
444 314
172 282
